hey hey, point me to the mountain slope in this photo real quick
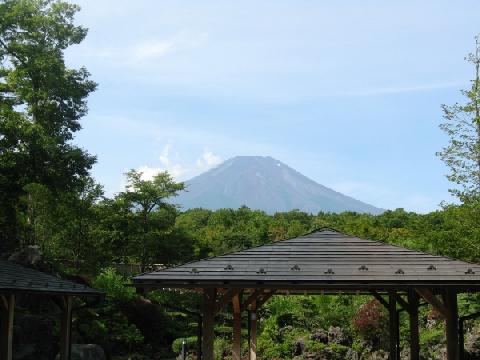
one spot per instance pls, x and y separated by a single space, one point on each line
266 184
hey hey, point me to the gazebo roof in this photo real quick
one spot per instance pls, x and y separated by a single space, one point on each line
323 259
15 278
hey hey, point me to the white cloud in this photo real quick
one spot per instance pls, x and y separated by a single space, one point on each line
208 160
148 172
165 155
154 49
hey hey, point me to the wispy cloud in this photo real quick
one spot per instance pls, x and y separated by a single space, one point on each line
399 89
180 171
208 160
153 49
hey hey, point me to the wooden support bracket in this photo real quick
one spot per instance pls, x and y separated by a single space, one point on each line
265 297
225 299
434 301
380 299
251 298
403 303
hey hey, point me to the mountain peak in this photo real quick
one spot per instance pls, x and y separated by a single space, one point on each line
264 183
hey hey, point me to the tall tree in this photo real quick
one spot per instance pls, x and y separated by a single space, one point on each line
462 125
153 216
41 103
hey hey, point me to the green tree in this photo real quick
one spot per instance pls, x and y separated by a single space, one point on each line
41 103
153 216
462 125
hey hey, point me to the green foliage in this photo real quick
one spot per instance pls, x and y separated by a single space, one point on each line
41 103
114 285
462 125
151 218
190 342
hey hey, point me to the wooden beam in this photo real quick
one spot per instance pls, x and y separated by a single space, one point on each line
434 301
225 299
7 311
264 298
253 331
199 337
450 301
66 328
393 325
208 323
413 322
400 300
251 298
380 299
237 327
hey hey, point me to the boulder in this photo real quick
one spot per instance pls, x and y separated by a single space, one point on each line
298 347
472 344
337 336
378 355
320 335
86 352
30 256
352 355
34 337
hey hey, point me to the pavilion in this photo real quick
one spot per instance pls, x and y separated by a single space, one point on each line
16 280
324 261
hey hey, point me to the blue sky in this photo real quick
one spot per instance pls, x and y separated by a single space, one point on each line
346 92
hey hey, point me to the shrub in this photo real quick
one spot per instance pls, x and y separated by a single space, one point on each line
114 284
371 322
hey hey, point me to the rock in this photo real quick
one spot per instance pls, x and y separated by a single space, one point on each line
298 347
405 353
320 335
285 330
351 355
86 352
34 337
30 256
378 355
337 336
472 344
26 352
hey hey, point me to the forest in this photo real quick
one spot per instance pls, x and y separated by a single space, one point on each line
50 202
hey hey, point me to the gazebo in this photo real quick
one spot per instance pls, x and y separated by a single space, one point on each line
321 262
16 280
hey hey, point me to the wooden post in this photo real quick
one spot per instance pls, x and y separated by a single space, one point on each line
209 297
8 309
397 335
237 327
253 331
450 302
414 334
392 310
461 339
199 338
66 328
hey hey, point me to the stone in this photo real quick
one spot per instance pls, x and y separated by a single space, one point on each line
298 347
30 256
351 355
378 355
34 337
337 336
320 335
472 344
86 352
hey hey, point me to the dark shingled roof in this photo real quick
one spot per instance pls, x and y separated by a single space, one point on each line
323 259
15 278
